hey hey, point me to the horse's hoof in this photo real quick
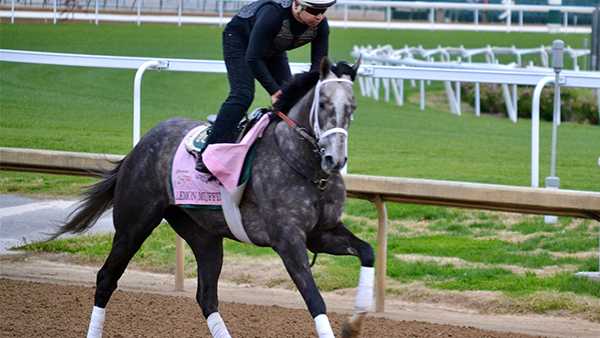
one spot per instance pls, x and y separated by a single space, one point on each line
352 327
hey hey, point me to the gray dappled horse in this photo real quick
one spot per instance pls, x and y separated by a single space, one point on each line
293 201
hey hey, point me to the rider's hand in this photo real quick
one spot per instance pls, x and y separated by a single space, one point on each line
275 96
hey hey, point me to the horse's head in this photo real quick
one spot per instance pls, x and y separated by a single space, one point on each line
331 112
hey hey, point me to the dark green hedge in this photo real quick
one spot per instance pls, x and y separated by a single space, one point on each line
578 105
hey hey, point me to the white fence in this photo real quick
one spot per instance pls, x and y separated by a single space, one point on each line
344 13
532 77
463 58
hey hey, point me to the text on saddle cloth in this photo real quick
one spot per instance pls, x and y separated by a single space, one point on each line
225 161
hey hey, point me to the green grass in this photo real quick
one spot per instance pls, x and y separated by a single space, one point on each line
474 250
89 110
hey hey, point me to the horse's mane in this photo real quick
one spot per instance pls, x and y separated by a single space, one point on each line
301 83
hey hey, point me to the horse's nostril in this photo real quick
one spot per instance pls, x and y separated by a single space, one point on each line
328 160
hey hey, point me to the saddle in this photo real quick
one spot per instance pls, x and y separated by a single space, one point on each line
229 162
196 142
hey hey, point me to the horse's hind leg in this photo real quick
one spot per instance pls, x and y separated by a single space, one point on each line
132 226
340 241
208 250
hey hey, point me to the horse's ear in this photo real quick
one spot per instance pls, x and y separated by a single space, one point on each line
325 67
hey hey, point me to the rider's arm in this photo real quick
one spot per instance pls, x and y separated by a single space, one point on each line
319 47
267 25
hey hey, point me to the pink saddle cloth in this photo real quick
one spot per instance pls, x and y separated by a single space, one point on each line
224 160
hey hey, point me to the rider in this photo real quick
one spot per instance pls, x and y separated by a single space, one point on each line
255 42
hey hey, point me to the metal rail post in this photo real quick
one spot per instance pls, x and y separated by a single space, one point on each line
553 181
137 93
381 259
96 7
139 12
179 12
535 130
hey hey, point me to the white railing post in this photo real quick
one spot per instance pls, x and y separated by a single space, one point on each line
345 15
96 12
12 11
139 12
535 130
54 4
422 94
179 10
457 93
137 92
220 12
477 100
521 18
432 16
388 13
477 17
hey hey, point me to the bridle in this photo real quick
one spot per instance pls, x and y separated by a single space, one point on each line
319 178
314 112
314 119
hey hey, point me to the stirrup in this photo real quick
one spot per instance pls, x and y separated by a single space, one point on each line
196 142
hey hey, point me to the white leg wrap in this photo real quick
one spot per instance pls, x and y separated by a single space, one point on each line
364 294
217 327
323 327
96 323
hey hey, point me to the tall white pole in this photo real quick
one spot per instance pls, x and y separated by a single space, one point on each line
96 12
139 12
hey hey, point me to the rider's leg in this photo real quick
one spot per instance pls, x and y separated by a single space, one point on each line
241 94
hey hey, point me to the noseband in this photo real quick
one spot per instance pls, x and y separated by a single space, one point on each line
318 177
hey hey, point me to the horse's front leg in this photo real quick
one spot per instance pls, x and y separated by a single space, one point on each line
340 241
292 249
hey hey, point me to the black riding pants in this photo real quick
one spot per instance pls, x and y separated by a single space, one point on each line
241 85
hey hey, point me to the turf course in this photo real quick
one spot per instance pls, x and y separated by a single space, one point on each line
87 109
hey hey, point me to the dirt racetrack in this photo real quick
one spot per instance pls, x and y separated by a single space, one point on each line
31 309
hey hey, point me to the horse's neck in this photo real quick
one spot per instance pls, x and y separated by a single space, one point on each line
300 112
289 140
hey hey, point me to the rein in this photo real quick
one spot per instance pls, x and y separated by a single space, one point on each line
316 176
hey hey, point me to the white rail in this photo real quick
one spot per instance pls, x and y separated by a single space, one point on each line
22 12
414 70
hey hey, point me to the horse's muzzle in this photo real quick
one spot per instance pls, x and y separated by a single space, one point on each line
329 164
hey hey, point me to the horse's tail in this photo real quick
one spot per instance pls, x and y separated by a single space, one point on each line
98 198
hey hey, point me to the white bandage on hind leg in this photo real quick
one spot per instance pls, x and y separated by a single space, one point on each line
323 327
217 327
96 323
364 294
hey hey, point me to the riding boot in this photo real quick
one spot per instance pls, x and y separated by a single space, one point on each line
216 135
224 130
